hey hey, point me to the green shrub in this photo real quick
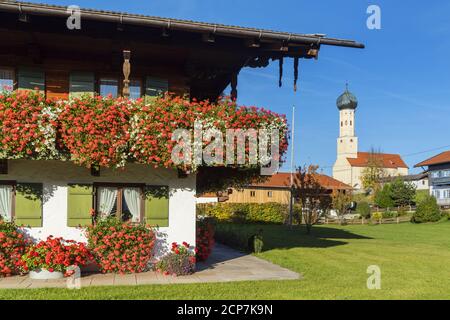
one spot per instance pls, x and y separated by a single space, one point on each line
420 195
256 243
377 215
363 209
388 214
233 235
427 211
383 197
274 213
402 211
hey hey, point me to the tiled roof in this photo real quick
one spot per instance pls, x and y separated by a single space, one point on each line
283 180
385 159
443 157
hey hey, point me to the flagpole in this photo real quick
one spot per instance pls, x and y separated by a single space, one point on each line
291 200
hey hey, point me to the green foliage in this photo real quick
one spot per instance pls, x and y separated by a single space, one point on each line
377 215
233 236
388 214
363 209
249 212
402 193
256 243
383 197
427 211
420 195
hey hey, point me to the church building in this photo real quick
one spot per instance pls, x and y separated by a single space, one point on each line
350 163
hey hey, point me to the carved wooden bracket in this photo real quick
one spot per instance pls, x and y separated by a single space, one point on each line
126 73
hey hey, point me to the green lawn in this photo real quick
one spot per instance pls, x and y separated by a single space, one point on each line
414 261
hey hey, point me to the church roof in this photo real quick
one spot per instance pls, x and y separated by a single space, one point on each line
391 161
283 180
443 157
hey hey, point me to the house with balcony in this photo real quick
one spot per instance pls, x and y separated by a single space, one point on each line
115 55
439 177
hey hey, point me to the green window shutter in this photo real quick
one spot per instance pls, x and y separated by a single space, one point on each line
28 210
79 205
31 78
157 206
82 83
155 87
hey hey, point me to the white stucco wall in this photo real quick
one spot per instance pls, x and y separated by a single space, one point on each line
55 176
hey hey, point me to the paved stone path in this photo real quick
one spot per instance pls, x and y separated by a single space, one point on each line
224 265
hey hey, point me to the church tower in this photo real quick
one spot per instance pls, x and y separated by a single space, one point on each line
347 143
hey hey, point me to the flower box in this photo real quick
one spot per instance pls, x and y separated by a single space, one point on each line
44 274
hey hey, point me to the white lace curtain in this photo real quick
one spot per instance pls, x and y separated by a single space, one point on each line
133 200
5 202
106 201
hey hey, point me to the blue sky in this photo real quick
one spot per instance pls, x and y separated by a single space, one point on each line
401 79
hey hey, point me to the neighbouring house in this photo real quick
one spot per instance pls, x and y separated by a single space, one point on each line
212 197
420 180
120 54
439 177
350 162
278 189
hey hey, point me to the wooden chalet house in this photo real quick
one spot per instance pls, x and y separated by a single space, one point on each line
119 54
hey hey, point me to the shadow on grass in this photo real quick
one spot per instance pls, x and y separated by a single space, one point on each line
283 237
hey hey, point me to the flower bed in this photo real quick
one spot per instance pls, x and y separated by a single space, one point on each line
179 262
121 247
205 239
102 131
13 245
55 255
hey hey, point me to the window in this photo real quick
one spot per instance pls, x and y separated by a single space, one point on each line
155 87
437 194
123 201
270 194
135 89
6 79
31 79
109 86
447 194
21 203
6 200
252 194
81 83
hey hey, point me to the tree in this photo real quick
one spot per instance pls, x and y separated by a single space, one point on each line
372 175
427 211
383 198
341 201
402 193
312 195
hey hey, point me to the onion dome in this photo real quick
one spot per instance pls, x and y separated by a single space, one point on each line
347 101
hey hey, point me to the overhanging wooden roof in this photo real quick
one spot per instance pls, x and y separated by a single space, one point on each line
210 56
178 24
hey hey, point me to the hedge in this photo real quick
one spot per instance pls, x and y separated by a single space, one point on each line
274 213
